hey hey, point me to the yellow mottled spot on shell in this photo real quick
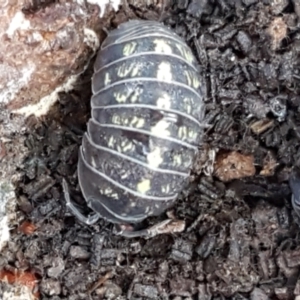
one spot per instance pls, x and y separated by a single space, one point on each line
164 101
120 97
185 53
111 141
133 121
183 132
166 189
188 103
116 119
132 204
126 146
196 82
188 77
108 191
188 55
124 174
136 95
137 122
164 72
154 158
192 80
125 69
161 128
135 71
144 186
161 46
177 159
107 79
93 162
129 48
193 134
119 148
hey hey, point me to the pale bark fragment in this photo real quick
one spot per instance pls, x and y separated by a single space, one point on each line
42 53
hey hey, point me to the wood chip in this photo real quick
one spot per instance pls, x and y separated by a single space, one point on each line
269 165
261 126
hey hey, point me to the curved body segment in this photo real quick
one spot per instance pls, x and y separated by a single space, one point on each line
145 126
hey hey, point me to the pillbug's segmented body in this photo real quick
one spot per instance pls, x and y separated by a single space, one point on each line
145 127
294 183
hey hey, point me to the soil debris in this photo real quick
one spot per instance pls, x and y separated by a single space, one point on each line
242 235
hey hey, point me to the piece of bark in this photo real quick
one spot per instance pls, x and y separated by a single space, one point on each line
43 50
42 53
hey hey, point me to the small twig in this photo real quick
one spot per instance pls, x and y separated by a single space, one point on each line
100 282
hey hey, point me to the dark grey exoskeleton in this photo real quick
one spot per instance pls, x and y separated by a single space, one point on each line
145 127
294 182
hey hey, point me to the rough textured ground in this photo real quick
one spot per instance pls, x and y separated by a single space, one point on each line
242 239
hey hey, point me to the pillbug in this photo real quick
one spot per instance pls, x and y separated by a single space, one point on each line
145 126
294 183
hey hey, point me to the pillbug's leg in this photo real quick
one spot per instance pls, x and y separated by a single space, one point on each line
91 219
163 7
295 187
164 227
126 230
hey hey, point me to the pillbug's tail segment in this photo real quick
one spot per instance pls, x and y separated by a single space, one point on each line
98 204
295 187
91 219
111 200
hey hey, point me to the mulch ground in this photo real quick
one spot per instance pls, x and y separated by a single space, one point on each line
242 237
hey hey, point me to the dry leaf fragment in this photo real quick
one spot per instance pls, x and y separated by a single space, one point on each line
277 31
234 165
261 126
21 278
27 228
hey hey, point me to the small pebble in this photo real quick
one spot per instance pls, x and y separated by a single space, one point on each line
79 252
50 287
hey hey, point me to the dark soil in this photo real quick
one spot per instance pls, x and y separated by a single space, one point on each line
242 239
